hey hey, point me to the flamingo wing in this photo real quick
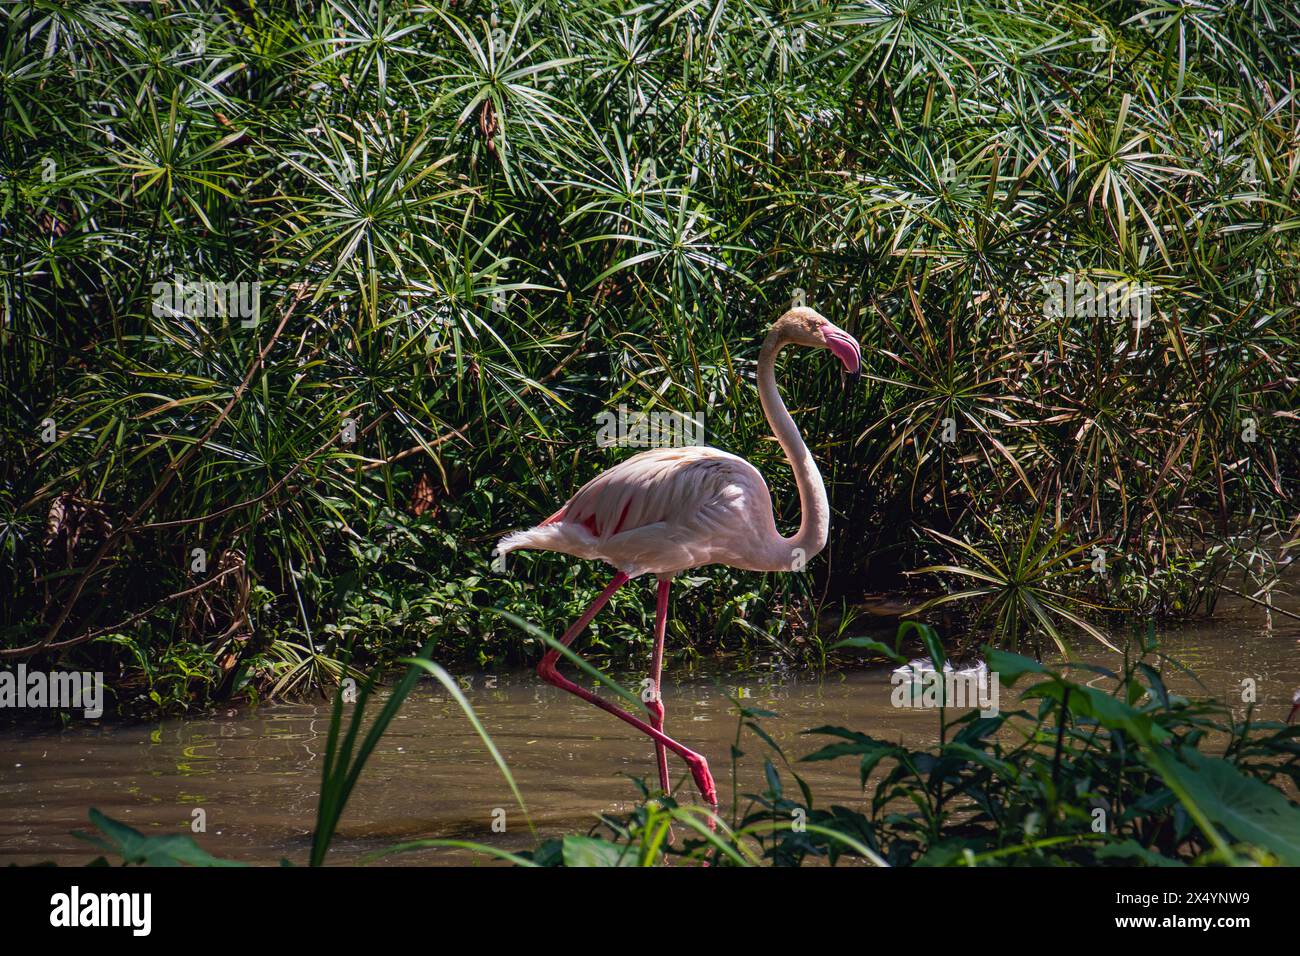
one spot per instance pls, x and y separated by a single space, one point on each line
671 486
662 510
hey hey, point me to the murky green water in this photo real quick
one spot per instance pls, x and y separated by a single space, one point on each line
255 773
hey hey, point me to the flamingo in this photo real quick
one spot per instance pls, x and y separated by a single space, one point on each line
667 510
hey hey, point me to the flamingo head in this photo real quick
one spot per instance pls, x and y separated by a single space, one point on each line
1295 706
804 326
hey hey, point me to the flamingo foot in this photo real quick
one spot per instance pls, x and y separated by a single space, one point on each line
704 782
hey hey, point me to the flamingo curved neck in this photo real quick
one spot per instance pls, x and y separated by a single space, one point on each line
814 522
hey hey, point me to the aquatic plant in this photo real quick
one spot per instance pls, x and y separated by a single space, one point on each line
1080 771
1091 767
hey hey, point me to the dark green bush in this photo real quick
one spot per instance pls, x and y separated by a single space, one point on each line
476 226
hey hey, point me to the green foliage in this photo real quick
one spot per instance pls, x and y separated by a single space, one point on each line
345 759
477 225
136 848
1078 775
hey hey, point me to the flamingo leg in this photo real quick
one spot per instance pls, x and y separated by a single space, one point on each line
549 672
656 704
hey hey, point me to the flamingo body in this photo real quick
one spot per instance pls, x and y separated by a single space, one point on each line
662 512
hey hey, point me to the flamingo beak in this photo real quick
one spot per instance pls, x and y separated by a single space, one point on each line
845 348
1291 716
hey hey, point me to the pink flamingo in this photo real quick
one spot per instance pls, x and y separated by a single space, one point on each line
670 509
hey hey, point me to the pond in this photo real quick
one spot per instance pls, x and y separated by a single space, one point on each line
254 772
